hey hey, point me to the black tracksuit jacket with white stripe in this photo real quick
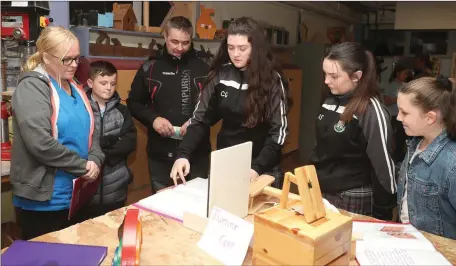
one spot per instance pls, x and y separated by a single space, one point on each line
224 98
355 154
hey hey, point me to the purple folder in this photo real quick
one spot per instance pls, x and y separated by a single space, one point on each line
47 254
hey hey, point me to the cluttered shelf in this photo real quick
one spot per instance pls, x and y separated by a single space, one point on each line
129 33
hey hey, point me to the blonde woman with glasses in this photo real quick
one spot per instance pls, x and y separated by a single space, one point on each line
55 139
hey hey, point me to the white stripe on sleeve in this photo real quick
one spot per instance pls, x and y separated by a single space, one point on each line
283 118
383 133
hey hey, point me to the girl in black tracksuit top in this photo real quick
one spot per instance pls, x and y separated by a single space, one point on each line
228 94
352 158
224 98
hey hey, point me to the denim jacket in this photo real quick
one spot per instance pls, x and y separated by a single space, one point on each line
431 186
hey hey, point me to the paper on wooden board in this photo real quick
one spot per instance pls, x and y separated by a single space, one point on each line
368 255
229 173
226 237
173 202
391 235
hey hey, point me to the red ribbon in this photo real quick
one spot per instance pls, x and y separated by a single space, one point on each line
132 238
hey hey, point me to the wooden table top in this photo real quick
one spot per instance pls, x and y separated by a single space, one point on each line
168 242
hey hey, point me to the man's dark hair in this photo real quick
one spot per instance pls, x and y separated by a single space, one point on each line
102 68
179 23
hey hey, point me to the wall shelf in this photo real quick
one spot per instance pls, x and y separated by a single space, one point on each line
128 33
84 35
86 39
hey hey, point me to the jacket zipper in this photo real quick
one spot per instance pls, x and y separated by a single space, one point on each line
338 104
101 135
240 87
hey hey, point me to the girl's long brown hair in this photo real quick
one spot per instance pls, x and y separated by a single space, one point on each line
262 71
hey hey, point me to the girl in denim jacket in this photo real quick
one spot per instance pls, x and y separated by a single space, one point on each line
427 179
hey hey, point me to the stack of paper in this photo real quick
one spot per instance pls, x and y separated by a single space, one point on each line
173 202
394 244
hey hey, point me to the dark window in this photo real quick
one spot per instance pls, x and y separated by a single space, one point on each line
158 10
429 42
385 42
84 8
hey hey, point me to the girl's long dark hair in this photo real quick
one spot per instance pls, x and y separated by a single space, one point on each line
352 58
262 70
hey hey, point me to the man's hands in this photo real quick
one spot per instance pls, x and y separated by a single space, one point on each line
163 127
166 129
92 171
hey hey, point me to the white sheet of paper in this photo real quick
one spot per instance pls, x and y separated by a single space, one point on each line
226 237
173 202
388 235
367 255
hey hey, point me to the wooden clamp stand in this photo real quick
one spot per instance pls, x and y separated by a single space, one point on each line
314 236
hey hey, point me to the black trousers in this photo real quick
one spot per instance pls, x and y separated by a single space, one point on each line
400 138
37 223
160 170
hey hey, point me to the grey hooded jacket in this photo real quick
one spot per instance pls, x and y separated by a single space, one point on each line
36 153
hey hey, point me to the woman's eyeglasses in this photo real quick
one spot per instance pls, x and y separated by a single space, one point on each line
67 61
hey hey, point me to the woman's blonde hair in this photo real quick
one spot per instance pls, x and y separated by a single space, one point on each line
52 40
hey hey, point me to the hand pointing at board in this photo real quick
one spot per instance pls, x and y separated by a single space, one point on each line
180 169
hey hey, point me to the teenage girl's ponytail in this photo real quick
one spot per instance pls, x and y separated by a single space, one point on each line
353 58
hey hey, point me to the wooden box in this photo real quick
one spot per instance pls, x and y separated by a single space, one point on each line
285 235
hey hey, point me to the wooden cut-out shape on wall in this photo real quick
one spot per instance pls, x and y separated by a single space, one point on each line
205 26
124 17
